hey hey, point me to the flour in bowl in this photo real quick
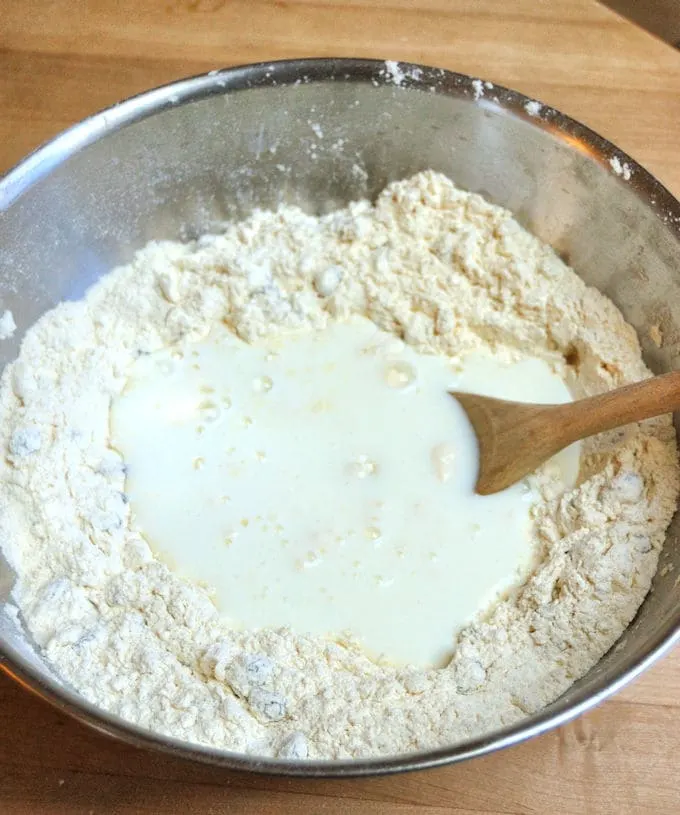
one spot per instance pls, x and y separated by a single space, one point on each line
450 275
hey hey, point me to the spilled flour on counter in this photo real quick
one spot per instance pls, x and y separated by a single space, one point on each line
450 274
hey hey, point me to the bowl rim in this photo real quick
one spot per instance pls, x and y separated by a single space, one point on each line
405 75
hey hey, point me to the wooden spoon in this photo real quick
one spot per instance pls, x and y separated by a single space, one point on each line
515 438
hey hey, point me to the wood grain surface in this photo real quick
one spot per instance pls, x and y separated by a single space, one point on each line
63 59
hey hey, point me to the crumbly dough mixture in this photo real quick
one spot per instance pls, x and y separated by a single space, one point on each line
451 274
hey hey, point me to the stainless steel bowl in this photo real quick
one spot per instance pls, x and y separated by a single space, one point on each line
318 133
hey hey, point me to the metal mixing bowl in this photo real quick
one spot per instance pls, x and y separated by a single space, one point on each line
173 162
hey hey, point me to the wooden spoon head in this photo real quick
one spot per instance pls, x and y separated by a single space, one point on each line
513 439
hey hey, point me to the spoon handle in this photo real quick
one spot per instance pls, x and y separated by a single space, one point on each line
632 403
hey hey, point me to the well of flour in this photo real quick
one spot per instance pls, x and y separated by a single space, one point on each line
325 481
450 279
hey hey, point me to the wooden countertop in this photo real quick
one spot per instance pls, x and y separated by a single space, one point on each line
62 60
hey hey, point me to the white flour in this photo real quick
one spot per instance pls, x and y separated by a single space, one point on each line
448 272
7 325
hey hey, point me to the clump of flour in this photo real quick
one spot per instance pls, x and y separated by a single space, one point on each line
7 325
451 274
621 168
